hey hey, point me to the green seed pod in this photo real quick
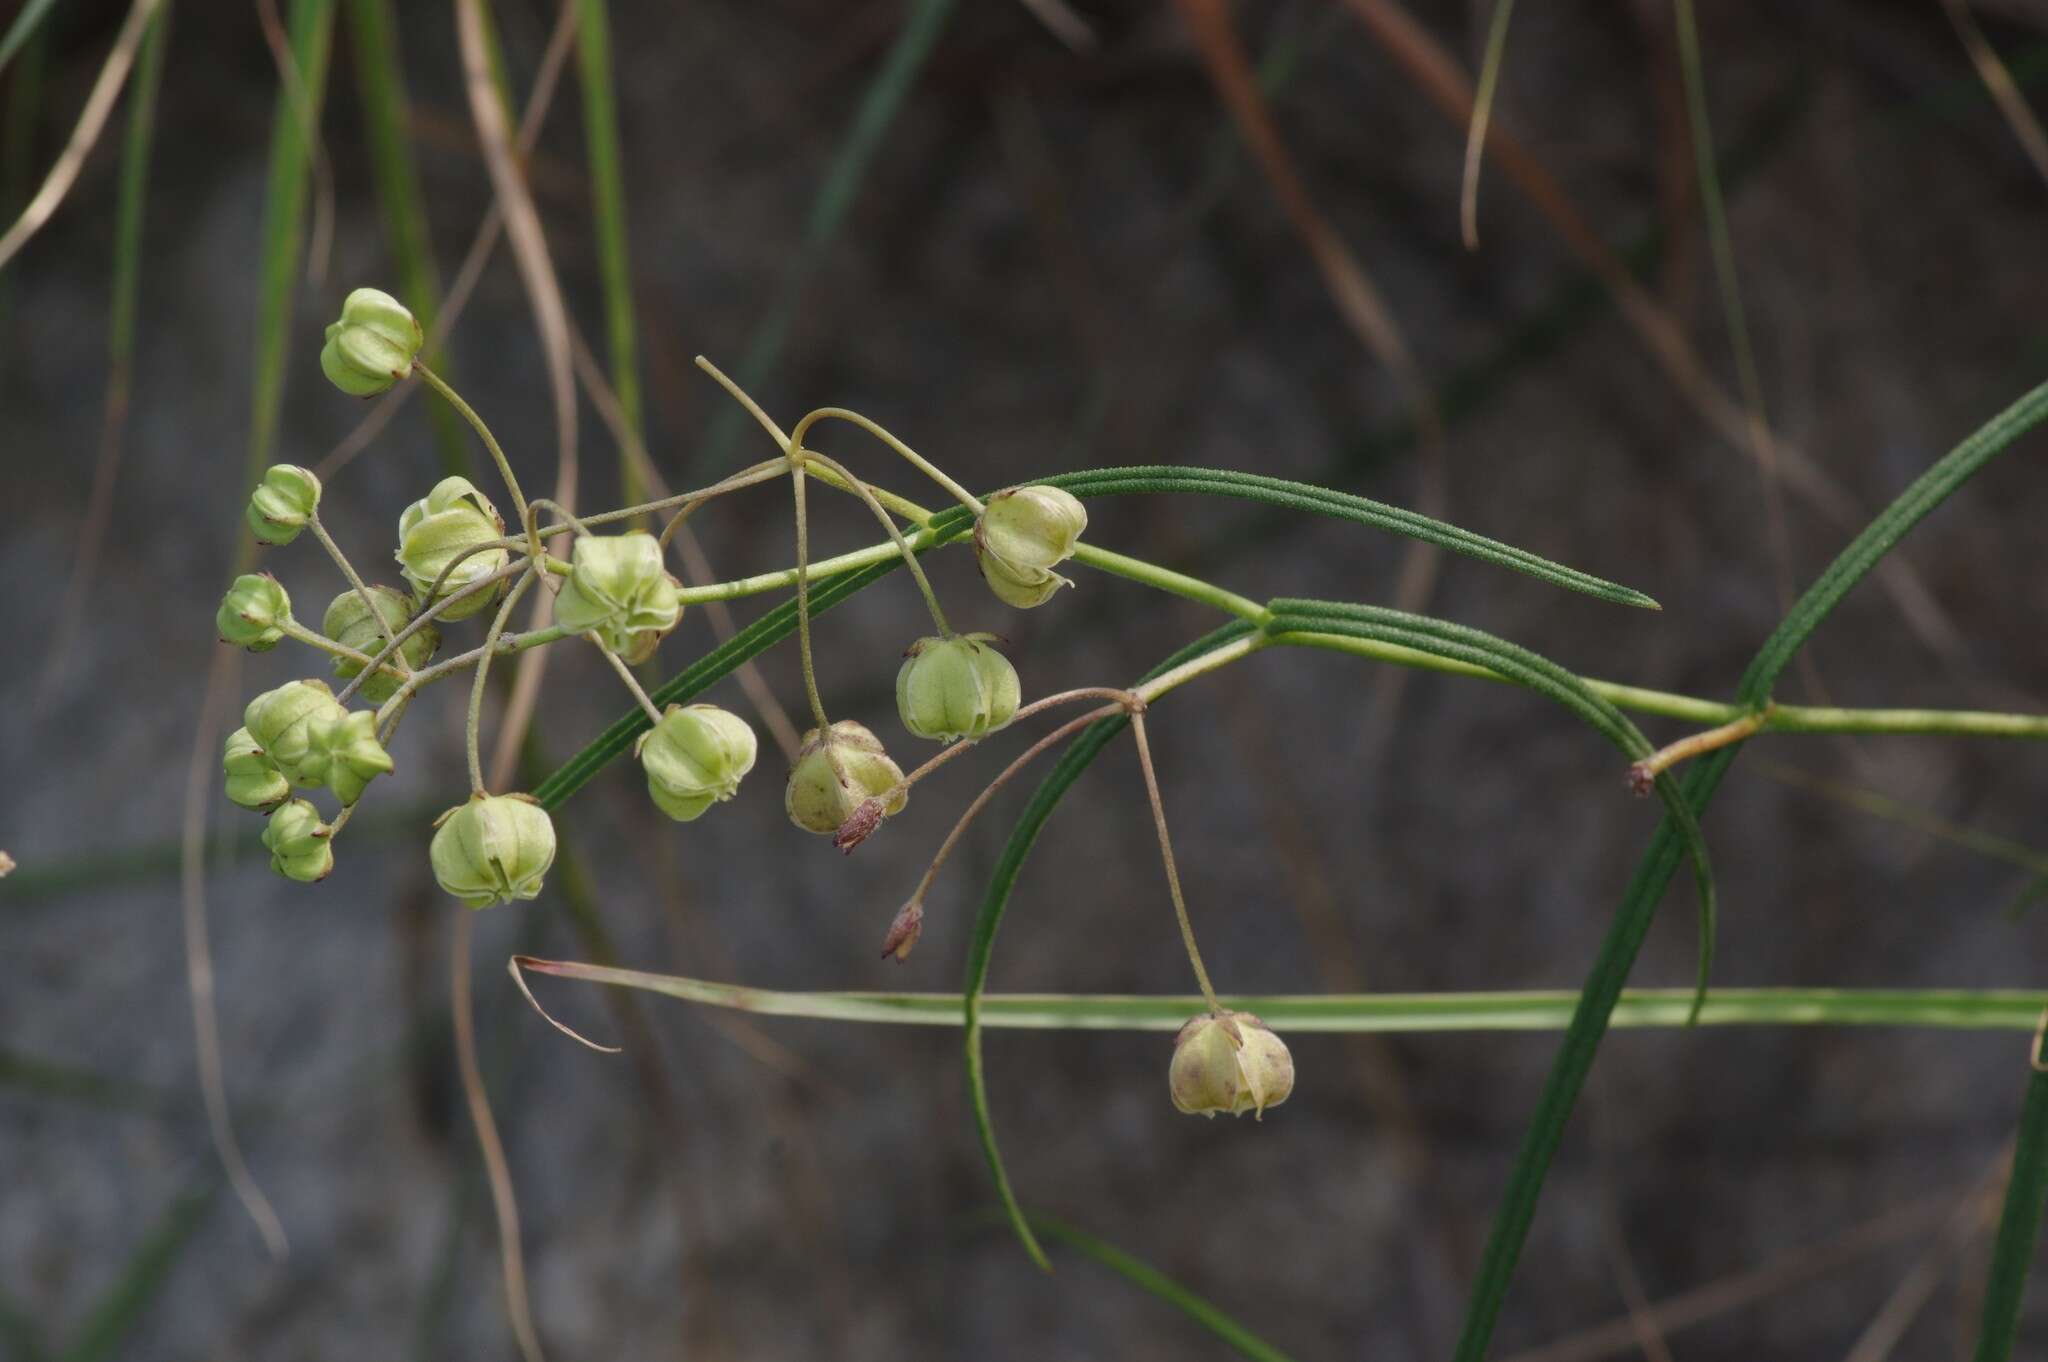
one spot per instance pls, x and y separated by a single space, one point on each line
493 849
282 503
372 346
342 753
300 845
953 688
695 758
618 589
253 779
835 772
435 530
349 622
1021 536
1214 1070
281 721
254 612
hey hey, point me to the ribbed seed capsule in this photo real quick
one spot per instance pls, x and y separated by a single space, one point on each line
1021 535
1215 1071
437 530
342 753
349 622
300 845
953 688
493 849
281 723
694 758
372 346
282 503
619 590
254 612
835 772
253 780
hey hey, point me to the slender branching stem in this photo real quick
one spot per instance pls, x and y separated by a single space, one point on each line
625 672
473 724
468 413
348 570
1645 772
924 586
803 595
1122 697
425 618
581 527
292 629
1180 907
916 460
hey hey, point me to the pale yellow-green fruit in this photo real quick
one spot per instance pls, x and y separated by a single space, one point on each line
835 772
342 753
300 845
1021 535
619 590
254 612
281 722
694 758
282 503
953 688
349 622
253 780
1212 1071
439 529
493 849
372 346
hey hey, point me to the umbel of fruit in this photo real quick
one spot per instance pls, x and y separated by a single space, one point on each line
837 770
1214 1070
619 590
253 780
281 723
282 503
493 849
254 612
300 845
953 688
1021 536
372 346
342 753
438 529
349 622
694 758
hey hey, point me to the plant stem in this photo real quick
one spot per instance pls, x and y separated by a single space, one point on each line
803 595
473 724
1180 907
916 460
362 592
421 621
468 413
861 489
626 675
1645 772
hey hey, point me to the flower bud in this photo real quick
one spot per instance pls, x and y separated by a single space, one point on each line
953 688
253 779
835 772
282 503
300 845
254 612
281 721
342 753
348 621
1215 1070
493 849
618 588
1021 536
694 758
435 530
373 344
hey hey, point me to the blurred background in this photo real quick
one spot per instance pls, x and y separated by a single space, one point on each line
1030 238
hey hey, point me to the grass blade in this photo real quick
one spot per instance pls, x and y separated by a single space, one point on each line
608 204
2019 1227
23 28
1154 1282
1482 114
1625 935
880 103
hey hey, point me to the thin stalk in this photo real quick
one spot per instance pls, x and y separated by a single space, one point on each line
468 413
425 618
474 722
1038 706
803 594
348 570
910 456
1482 114
625 672
861 489
1645 772
1180 907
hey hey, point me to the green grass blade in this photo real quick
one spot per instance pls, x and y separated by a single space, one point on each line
608 205
851 164
1154 1282
23 28
134 192
311 33
1632 919
23 112
1301 496
1076 759
142 1280
380 84
2019 1227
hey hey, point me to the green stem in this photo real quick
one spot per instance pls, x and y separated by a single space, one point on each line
473 722
866 494
916 460
803 595
468 413
362 592
1180 907
647 706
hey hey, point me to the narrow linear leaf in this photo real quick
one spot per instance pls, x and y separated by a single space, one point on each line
1151 1280
1076 759
608 204
23 28
1632 919
2019 1227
